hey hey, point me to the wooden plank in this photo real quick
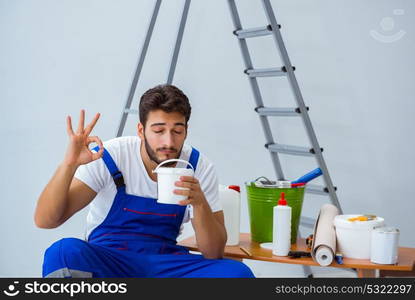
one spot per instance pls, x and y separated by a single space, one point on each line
406 256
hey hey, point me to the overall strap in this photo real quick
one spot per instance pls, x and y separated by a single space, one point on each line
112 168
194 158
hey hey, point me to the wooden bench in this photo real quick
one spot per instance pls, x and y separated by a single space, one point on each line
365 268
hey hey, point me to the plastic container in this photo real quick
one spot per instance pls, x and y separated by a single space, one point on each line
384 245
354 237
261 201
281 233
230 197
166 178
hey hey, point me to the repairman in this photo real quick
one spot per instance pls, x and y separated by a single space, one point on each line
128 233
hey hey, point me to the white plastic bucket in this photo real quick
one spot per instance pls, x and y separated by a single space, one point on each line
353 237
231 204
166 178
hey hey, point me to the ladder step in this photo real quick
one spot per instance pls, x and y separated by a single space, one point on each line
317 189
254 32
267 72
307 222
283 112
131 111
288 149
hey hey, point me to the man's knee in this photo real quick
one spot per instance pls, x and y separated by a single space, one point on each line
65 247
60 253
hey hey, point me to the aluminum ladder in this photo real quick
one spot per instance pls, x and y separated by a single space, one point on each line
287 70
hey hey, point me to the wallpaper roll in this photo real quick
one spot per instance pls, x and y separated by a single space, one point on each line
324 241
324 255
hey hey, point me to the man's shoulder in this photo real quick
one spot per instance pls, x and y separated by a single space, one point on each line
121 142
204 163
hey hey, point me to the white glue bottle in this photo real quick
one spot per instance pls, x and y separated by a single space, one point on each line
281 231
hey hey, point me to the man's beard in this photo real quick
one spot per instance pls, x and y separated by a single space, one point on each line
152 154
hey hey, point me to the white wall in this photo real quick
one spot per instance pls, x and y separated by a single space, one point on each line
57 57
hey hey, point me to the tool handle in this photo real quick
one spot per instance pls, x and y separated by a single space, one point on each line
309 176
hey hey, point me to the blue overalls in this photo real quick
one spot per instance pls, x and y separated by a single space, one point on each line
136 239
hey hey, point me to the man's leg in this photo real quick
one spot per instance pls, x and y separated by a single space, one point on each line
193 265
72 257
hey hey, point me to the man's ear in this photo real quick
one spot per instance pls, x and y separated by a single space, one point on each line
140 130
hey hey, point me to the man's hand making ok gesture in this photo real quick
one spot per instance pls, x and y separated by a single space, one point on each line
78 152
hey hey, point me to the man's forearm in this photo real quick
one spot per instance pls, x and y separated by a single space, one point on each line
52 201
210 234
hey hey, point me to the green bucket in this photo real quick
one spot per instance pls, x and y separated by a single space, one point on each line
261 201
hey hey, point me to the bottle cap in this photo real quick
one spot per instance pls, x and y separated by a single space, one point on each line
235 187
282 200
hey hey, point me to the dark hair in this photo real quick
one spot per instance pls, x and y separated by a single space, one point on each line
165 97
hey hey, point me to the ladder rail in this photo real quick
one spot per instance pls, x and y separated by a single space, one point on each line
179 39
300 101
255 89
139 67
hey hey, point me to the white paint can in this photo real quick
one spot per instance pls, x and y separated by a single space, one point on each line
384 245
166 178
354 237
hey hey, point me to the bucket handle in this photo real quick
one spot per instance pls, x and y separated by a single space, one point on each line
267 180
171 160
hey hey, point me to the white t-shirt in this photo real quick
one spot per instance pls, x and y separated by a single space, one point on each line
125 151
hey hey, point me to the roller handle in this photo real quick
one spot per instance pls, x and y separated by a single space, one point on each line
309 176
